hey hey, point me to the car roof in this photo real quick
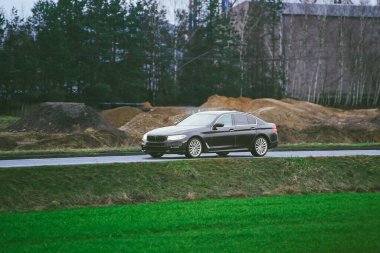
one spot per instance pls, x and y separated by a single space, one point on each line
225 112
217 112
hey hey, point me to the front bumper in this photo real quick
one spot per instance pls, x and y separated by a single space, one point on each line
175 147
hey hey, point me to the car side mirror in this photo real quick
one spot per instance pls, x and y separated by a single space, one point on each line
217 125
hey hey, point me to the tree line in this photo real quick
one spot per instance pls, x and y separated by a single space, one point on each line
117 51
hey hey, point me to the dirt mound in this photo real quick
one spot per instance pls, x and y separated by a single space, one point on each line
147 105
168 110
271 110
145 122
297 121
62 125
119 116
300 121
61 118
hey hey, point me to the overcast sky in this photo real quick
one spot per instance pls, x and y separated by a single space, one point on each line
24 6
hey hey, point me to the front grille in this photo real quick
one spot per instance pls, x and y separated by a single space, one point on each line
156 149
155 144
157 138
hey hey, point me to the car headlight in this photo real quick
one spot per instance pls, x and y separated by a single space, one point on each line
176 137
145 137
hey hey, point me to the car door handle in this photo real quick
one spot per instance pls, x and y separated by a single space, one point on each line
253 128
231 130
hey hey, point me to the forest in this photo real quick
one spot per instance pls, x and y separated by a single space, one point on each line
97 51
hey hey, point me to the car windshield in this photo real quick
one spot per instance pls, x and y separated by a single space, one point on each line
198 120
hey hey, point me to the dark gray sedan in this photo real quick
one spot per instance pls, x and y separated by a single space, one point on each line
218 132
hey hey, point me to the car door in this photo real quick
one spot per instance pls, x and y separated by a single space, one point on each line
222 138
245 130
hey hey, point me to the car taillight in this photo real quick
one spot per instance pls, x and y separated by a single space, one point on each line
274 128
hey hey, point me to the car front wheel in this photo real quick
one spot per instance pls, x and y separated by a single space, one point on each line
260 146
194 148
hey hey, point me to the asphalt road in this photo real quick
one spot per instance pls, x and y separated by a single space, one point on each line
168 158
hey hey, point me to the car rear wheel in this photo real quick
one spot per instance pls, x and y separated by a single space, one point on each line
194 148
222 154
260 146
156 155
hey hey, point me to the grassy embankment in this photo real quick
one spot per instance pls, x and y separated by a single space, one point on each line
330 145
67 152
90 185
306 223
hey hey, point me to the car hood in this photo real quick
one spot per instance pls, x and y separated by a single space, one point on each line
172 130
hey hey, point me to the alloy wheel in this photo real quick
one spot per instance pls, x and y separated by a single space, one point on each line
260 147
194 148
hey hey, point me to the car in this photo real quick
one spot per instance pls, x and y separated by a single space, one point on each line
219 132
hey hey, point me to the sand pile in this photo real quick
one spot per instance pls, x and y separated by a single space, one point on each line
297 121
270 110
300 121
119 116
147 105
145 122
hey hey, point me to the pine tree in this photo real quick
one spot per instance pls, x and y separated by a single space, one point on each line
210 62
18 63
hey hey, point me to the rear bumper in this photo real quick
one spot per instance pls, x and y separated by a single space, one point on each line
164 147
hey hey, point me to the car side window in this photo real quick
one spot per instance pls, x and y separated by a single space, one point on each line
226 120
252 120
240 119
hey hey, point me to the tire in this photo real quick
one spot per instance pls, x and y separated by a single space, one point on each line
260 146
222 154
156 155
194 148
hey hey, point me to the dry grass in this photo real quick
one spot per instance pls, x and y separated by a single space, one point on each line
92 185
90 138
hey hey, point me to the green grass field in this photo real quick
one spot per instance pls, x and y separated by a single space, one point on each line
303 223
91 185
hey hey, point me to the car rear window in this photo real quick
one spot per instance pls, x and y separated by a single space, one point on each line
252 120
240 119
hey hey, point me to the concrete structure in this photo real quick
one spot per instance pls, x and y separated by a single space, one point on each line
330 52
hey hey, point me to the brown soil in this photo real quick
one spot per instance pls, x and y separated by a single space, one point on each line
147 105
69 125
157 117
300 121
119 116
